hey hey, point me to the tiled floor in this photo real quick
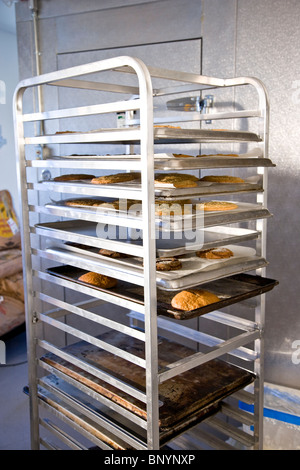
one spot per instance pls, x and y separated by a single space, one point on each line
14 411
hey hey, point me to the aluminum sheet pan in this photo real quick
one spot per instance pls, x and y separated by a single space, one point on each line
194 270
75 231
168 135
230 290
162 135
245 211
196 163
190 263
203 188
166 161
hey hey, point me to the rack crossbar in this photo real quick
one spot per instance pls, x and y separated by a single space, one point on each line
92 370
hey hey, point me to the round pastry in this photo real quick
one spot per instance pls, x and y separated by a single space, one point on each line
98 280
168 264
178 180
219 155
215 253
216 206
173 208
167 126
73 177
112 254
181 155
84 202
116 178
191 299
222 179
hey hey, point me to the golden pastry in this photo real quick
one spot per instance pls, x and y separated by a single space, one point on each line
116 178
191 299
98 280
216 206
215 253
222 179
73 177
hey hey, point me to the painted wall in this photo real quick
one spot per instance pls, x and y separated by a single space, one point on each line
9 77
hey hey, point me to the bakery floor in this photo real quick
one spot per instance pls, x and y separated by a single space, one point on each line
14 410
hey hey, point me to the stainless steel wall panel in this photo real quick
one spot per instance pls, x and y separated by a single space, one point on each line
267 45
134 24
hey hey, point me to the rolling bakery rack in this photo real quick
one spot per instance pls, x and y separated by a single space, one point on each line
120 368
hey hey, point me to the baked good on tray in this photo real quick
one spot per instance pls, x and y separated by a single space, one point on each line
168 264
172 208
116 178
191 299
222 179
216 206
112 254
215 253
178 180
167 126
219 155
98 280
84 202
73 177
181 155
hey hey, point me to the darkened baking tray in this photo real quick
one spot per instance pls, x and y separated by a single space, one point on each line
183 399
230 290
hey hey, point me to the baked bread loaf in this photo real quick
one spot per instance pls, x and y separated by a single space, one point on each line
191 299
216 206
98 280
222 179
178 180
73 177
215 253
116 178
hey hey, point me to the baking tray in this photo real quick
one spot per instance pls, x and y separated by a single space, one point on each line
203 188
173 135
167 161
75 231
214 161
78 418
194 270
191 264
162 135
181 399
245 211
115 442
230 290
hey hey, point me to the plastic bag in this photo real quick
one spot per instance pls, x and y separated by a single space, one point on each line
9 225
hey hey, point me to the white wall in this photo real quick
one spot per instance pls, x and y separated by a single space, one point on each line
9 75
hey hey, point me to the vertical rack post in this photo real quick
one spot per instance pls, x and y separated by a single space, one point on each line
149 245
31 325
261 226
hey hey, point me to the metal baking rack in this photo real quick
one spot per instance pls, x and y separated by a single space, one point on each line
107 377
